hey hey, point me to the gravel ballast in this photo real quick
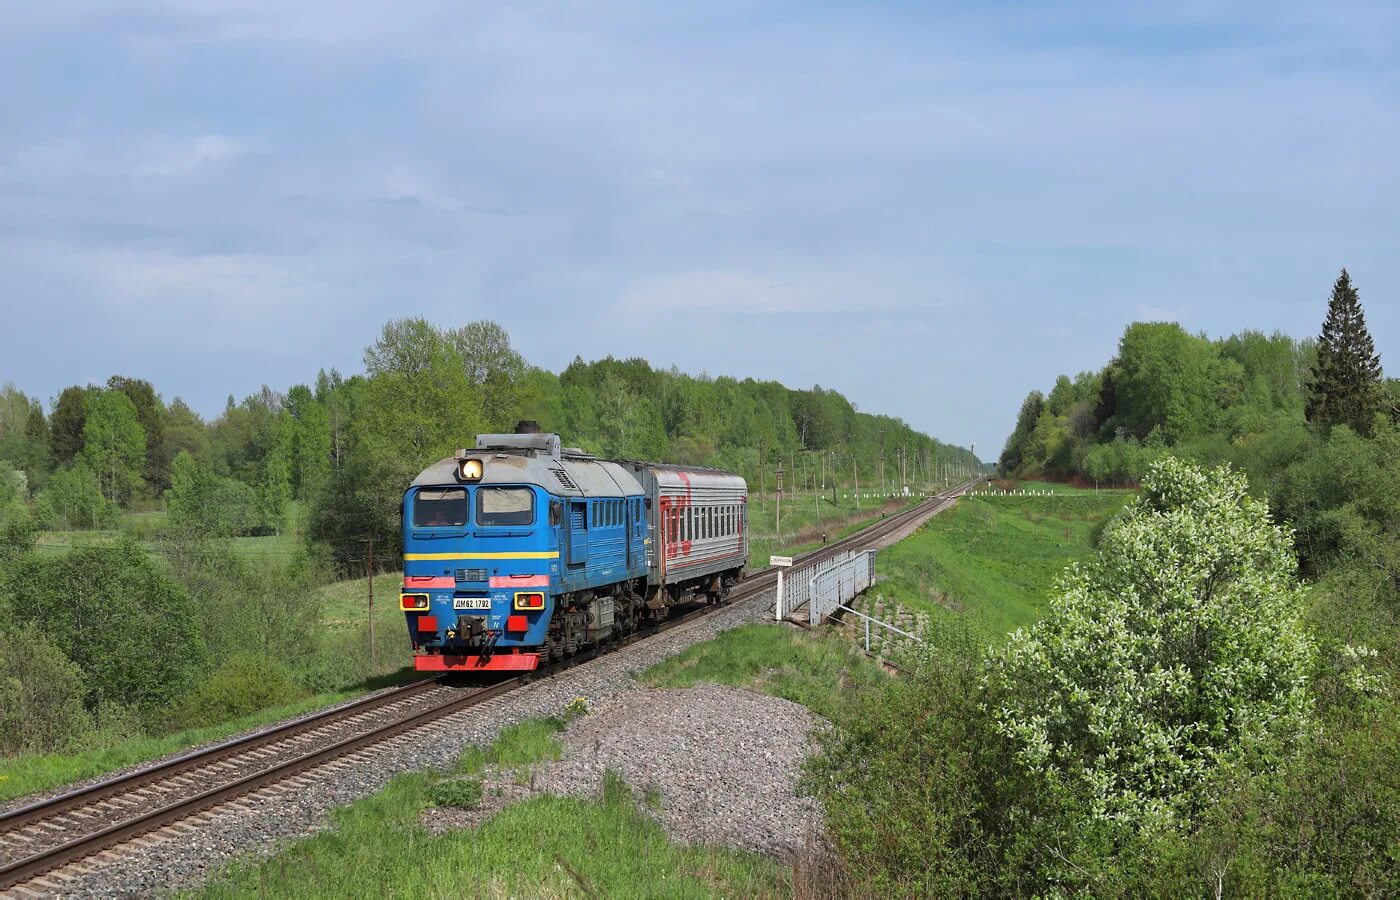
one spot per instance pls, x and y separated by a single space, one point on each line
724 762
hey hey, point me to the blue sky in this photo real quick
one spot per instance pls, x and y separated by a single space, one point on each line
932 208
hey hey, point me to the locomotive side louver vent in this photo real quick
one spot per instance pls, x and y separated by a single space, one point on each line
564 478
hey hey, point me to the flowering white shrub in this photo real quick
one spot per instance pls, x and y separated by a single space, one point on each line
1179 650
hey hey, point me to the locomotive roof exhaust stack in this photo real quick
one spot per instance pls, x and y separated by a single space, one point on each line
527 426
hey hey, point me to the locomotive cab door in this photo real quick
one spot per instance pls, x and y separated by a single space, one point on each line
578 533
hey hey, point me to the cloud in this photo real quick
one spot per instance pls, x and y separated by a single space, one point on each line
166 157
403 186
847 285
810 184
145 156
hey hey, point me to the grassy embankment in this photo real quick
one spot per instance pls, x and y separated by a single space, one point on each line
546 846
989 563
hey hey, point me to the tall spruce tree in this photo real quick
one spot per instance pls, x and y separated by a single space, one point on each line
1346 379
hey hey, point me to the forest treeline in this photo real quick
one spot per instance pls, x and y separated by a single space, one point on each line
348 446
1251 399
1211 704
169 626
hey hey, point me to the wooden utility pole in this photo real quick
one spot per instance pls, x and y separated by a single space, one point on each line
855 475
779 526
761 464
369 570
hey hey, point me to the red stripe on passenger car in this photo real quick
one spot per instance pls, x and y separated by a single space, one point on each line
428 581
519 581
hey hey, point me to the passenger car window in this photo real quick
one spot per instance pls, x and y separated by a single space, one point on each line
505 506
433 507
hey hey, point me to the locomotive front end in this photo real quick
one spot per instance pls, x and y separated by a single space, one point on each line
480 558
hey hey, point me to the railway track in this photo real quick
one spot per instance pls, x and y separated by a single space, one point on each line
45 836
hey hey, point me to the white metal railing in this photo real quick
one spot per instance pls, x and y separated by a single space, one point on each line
840 583
870 620
797 582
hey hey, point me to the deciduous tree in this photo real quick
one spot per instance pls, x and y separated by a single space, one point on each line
66 424
114 444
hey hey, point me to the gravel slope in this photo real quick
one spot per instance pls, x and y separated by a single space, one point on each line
724 761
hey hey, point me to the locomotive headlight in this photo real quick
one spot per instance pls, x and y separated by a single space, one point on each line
412 602
469 470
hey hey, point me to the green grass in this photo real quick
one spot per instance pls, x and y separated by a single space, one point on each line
817 669
21 775
990 562
344 639
146 526
519 745
544 847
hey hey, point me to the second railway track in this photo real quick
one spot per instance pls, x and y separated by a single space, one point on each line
44 836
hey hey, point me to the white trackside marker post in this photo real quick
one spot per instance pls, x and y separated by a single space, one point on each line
779 563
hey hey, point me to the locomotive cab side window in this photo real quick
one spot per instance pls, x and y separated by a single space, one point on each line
438 507
505 506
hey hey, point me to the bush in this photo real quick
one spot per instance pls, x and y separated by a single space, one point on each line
1179 653
41 695
204 504
18 530
245 683
257 607
901 785
73 499
134 632
463 793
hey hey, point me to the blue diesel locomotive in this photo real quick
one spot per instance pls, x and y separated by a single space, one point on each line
521 551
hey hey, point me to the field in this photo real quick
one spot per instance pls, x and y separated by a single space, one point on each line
989 563
147 526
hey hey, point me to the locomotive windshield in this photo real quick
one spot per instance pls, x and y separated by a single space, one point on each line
505 506
440 506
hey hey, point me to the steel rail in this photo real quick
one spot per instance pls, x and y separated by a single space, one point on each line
57 805
39 863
